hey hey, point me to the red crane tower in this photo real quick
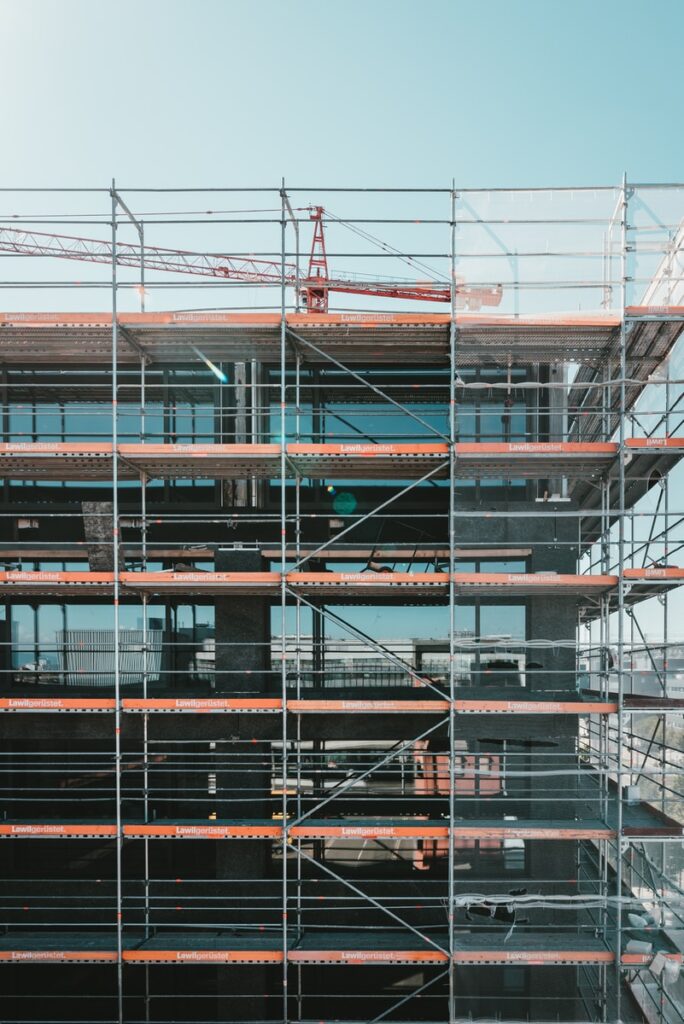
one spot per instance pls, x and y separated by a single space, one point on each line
314 288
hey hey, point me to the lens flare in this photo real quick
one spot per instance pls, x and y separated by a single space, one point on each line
344 503
218 373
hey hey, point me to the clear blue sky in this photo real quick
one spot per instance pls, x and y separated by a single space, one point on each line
377 92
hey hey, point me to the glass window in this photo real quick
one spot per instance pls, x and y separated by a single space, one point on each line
503 620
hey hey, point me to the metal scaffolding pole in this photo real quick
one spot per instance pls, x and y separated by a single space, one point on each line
621 592
298 657
116 645
453 369
283 598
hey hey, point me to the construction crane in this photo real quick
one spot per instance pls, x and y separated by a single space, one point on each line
314 288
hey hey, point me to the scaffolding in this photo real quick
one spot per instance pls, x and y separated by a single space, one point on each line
429 745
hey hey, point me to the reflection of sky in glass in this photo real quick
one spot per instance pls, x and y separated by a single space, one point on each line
399 623
34 633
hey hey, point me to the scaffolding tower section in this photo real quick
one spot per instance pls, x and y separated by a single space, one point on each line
341 661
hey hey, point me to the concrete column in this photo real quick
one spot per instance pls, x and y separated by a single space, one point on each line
243 657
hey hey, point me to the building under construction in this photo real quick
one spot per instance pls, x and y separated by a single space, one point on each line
341 645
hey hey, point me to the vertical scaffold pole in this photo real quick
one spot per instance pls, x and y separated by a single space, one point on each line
146 738
452 602
601 661
298 669
665 670
283 595
621 589
666 637
145 598
116 645
141 233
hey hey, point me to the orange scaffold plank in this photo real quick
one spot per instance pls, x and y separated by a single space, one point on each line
68 704
532 459
474 707
648 444
16 582
211 461
54 830
529 460
66 321
531 957
202 705
654 574
203 956
20 582
81 461
513 448
85 338
364 583
199 830
376 337
535 957
368 460
403 829
56 460
367 956
356 706
273 705
532 583
535 707
55 956
657 312
426 830
239 583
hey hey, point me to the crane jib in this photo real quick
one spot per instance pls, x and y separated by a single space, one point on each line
314 287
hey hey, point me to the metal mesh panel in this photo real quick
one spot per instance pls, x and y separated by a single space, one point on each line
86 656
